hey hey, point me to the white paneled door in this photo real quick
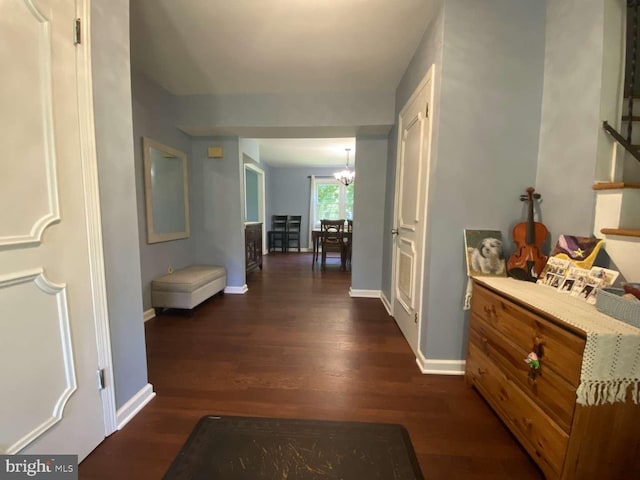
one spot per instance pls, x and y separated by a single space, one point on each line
412 173
50 401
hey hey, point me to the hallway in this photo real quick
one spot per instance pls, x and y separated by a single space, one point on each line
297 346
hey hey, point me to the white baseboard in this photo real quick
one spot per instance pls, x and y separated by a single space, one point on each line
440 367
237 290
386 303
136 403
149 314
354 292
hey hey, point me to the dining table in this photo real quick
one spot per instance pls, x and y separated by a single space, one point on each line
316 235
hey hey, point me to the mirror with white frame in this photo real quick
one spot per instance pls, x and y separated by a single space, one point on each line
166 192
253 193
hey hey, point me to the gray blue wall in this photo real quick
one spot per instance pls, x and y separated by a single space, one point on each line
368 213
320 113
571 116
217 207
153 116
488 146
113 122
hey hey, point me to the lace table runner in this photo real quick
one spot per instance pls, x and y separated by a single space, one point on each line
611 361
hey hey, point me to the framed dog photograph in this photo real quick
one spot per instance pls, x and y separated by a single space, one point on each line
484 254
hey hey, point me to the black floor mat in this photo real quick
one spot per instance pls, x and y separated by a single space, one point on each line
247 448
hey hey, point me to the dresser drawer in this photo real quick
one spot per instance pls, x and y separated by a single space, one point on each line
548 390
562 349
545 441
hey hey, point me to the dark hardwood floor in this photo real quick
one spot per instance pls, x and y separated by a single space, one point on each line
297 346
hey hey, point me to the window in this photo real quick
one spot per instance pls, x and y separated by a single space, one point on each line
331 201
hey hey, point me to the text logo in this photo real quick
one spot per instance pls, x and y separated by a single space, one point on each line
50 467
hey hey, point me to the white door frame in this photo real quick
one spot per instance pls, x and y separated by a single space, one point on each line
428 77
261 197
94 225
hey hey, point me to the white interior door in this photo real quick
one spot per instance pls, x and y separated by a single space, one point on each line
412 173
50 402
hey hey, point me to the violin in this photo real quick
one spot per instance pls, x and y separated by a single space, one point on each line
528 260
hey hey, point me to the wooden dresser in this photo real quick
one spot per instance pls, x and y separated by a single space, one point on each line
253 246
566 440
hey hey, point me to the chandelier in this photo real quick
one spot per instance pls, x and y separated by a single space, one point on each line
347 175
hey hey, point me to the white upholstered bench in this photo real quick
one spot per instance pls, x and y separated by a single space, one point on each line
187 287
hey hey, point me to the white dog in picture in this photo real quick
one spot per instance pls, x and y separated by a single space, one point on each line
487 257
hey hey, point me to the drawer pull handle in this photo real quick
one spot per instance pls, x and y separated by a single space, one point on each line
538 343
490 310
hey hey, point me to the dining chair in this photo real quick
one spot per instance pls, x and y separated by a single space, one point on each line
278 233
293 231
332 240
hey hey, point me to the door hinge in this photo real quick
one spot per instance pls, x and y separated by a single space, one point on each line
426 113
100 373
415 317
77 32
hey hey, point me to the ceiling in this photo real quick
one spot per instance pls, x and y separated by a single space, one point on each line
226 47
319 152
